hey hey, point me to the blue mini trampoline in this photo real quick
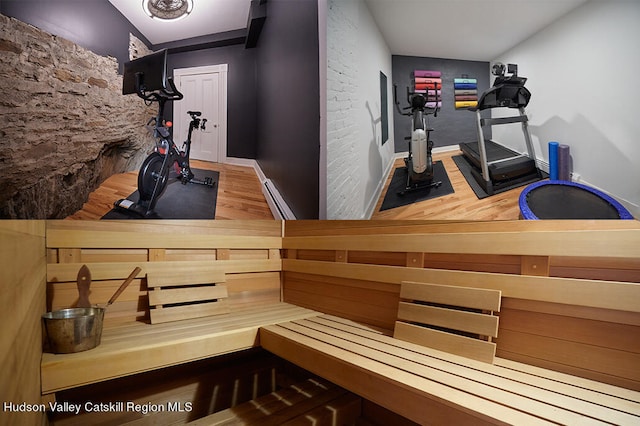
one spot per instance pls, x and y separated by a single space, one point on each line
557 199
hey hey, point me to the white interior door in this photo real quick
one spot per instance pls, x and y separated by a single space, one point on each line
204 90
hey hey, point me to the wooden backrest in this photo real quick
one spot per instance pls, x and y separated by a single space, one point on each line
570 289
248 252
178 295
453 319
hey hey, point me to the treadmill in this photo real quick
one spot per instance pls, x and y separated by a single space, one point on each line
495 167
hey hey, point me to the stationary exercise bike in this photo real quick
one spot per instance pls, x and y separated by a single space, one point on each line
419 162
156 168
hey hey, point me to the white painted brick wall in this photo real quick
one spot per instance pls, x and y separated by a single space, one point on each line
344 196
357 161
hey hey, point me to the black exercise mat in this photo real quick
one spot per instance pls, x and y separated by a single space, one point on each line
393 199
465 168
190 201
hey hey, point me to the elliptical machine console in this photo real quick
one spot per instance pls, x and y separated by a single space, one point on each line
419 162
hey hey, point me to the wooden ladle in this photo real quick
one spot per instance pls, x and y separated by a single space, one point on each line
83 282
124 285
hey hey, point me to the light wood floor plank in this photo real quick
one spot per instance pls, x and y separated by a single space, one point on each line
461 205
239 193
240 197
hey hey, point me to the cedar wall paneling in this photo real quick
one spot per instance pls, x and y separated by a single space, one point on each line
571 289
248 253
22 286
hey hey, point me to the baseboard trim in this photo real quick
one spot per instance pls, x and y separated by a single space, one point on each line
277 204
371 206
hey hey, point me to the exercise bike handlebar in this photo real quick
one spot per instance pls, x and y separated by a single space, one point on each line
174 94
171 94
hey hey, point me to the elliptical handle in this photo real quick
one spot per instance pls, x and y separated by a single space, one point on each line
438 98
395 98
395 101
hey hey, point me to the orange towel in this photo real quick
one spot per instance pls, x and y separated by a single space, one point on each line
427 80
428 86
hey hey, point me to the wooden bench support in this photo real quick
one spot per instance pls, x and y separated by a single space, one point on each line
138 347
434 387
311 402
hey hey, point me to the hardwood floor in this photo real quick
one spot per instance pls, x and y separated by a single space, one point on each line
461 205
239 193
240 197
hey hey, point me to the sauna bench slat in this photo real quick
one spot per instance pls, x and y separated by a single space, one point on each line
424 384
137 347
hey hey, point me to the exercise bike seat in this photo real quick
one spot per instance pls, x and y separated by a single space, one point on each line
194 113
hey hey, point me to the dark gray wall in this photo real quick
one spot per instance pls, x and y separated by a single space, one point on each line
451 126
93 24
101 28
288 103
273 90
241 92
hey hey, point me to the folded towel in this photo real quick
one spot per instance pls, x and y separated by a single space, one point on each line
466 98
465 80
427 80
430 93
466 104
465 85
466 92
426 73
427 86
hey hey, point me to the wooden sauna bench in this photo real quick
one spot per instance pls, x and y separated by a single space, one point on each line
569 320
135 347
432 387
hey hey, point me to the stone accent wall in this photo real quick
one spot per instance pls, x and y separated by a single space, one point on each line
137 48
66 126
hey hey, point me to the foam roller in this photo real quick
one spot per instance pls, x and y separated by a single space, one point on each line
553 160
564 163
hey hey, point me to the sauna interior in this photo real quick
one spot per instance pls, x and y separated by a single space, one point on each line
302 331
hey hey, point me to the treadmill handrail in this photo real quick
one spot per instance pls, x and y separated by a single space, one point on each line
504 120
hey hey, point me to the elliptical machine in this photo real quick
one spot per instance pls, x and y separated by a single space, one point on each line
419 162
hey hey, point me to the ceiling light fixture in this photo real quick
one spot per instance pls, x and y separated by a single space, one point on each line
167 10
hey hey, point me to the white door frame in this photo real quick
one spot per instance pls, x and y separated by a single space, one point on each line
222 69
